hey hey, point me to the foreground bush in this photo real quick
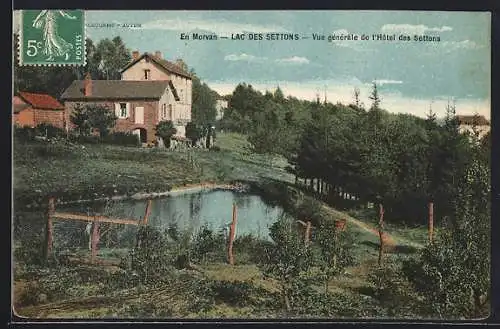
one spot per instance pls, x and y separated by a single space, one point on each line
394 292
453 273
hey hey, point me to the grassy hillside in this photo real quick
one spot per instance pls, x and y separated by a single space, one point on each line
88 171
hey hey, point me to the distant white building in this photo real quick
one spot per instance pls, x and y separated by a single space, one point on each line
467 122
221 105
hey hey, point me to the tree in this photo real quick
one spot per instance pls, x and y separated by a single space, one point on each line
204 101
287 261
80 118
375 97
113 57
180 63
101 118
88 117
431 118
278 95
334 250
453 273
193 132
475 124
357 102
165 130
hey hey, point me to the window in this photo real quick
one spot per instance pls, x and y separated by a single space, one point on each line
170 115
123 110
147 74
163 111
181 95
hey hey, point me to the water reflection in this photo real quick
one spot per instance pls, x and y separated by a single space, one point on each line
194 210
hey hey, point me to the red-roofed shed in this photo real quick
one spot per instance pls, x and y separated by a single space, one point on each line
32 109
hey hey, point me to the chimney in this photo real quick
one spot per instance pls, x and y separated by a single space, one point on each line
135 55
158 54
87 85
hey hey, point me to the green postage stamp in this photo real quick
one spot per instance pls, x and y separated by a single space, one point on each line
52 37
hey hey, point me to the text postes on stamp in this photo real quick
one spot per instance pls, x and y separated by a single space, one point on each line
52 37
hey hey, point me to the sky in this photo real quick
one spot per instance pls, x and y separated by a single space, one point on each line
412 76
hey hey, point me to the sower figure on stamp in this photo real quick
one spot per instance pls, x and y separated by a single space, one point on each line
53 44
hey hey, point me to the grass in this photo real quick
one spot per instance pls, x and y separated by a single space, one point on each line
92 171
76 172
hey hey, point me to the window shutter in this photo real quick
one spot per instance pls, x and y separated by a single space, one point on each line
117 110
128 110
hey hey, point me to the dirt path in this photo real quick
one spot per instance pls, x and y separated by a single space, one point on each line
389 240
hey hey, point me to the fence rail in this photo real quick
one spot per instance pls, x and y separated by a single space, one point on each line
95 220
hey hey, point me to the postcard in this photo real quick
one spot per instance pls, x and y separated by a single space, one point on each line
239 165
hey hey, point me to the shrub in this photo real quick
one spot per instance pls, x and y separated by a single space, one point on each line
289 262
339 305
84 139
89 117
165 130
193 132
208 245
151 259
49 131
453 272
234 293
122 138
394 292
250 249
201 296
310 210
334 250
24 134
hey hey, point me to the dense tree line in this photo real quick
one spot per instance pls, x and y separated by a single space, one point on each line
399 160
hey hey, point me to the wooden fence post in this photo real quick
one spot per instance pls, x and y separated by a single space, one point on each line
431 221
381 233
232 233
49 229
147 213
95 241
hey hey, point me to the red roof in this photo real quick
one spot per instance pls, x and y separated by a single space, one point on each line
41 101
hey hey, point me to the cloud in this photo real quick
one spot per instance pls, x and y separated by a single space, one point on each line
244 57
450 46
216 26
388 82
464 44
293 60
413 29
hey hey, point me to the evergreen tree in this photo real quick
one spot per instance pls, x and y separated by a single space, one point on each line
375 97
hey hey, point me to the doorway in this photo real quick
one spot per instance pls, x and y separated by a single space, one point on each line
142 134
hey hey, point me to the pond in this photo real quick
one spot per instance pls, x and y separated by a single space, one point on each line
190 211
